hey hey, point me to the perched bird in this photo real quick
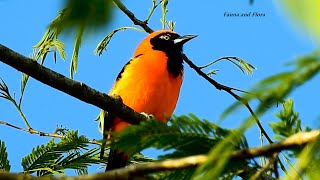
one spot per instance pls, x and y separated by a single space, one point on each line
150 82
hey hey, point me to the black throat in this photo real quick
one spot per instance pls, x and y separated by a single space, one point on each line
173 52
175 62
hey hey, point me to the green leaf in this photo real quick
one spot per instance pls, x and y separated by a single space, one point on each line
212 72
59 46
75 53
307 161
54 158
274 89
139 158
23 84
187 135
5 94
4 161
243 65
306 14
39 157
289 123
163 20
49 43
312 170
184 136
102 46
179 174
91 14
4 91
219 156
171 25
80 162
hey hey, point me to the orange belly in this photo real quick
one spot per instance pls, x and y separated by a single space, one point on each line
146 86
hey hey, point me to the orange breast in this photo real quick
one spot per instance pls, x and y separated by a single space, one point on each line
146 86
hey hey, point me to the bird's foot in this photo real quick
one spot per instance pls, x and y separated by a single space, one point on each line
117 97
148 116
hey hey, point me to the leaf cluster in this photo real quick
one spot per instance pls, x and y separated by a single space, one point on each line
4 162
184 136
55 158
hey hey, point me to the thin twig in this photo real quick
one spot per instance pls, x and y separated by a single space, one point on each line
154 6
4 93
217 60
164 13
228 90
132 17
33 131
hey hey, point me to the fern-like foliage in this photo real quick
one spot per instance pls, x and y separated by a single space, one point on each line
140 158
55 158
135 159
288 125
184 136
4 162
178 174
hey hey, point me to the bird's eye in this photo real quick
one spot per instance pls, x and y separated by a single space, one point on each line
165 37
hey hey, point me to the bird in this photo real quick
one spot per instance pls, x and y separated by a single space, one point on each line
149 83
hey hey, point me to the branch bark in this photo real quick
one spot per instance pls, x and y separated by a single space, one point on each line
75 89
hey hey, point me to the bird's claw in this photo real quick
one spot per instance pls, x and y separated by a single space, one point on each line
148 116
117 97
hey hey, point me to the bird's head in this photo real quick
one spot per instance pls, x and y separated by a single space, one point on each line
163 40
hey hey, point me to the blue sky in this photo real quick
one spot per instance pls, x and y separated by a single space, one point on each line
266 42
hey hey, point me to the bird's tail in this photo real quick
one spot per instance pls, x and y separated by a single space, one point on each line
104 126
117 159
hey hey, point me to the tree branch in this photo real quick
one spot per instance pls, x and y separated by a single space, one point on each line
75 89
40 133
297 140
136 21
259 174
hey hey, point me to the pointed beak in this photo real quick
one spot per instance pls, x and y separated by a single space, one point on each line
183 39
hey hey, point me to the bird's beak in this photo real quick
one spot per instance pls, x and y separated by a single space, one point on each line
183 39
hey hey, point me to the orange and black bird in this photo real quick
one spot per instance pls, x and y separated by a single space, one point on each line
150 82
